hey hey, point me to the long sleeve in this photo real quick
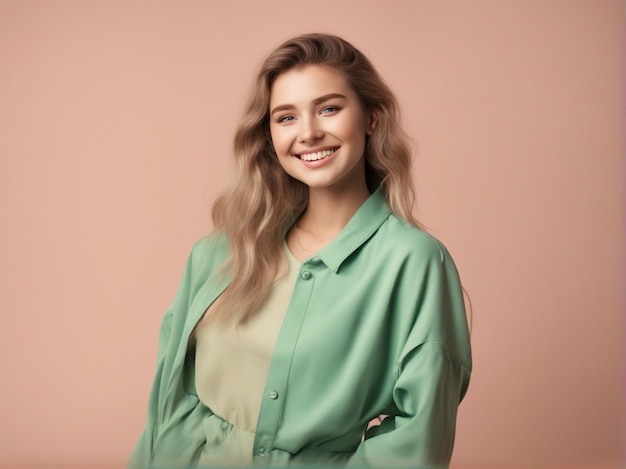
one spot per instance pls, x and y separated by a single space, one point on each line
142 452
432 378
170 436
168 344
427 394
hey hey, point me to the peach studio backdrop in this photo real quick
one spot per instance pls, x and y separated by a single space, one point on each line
116 120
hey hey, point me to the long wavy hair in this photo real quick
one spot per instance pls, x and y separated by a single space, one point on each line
263 201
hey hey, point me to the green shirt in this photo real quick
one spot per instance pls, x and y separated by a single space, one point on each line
376 325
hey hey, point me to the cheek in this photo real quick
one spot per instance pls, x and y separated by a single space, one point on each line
280 141
352 129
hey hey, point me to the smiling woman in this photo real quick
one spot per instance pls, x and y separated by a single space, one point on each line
319 137
317 305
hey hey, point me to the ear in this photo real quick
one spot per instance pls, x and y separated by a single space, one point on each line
371 123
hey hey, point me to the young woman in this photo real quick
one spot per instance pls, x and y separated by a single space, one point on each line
317 304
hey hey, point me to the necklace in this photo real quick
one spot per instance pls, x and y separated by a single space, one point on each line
297 230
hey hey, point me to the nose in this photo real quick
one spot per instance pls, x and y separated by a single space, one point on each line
309 131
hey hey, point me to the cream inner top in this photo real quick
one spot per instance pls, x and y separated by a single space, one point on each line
232 361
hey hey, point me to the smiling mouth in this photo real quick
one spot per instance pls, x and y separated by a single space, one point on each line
318 155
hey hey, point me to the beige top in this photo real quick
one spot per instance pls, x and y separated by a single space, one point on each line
232 363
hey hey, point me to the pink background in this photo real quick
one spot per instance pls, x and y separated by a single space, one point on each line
115 126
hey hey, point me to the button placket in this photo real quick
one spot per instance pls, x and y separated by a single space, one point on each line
276 383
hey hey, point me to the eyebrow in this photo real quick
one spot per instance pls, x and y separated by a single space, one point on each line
316 102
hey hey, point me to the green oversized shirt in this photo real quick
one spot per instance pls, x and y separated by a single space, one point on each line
376 325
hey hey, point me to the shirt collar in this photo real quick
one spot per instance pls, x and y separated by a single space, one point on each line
359 229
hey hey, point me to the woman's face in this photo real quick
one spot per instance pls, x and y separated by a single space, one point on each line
318 128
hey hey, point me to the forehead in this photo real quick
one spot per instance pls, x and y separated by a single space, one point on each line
304 84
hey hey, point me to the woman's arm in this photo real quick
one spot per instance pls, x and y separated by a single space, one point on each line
142 453
432 378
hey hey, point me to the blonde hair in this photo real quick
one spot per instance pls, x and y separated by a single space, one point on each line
263 201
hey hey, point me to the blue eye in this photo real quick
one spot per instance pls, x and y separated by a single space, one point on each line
329 109
286 118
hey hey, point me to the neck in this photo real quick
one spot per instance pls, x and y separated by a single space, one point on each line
328 211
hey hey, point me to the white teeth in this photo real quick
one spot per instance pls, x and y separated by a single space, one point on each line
317 155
